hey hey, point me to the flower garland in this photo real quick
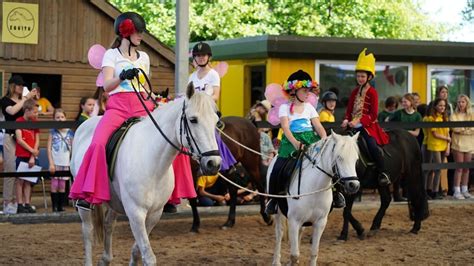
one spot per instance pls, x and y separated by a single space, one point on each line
298 84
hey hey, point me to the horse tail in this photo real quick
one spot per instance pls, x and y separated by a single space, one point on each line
98 216
417 198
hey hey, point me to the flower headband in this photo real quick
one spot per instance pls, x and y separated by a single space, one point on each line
298 84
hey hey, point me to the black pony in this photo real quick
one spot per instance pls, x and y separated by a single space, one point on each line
403 162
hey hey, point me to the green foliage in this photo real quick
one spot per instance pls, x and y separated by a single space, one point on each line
468 11
225 19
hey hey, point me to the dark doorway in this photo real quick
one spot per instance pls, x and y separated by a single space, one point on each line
257 83
50 86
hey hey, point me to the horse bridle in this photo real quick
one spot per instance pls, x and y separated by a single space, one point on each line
335 167
183 124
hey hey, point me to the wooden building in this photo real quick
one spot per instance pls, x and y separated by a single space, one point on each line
59 64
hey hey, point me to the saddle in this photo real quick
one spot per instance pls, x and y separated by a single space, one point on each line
112 148
365 156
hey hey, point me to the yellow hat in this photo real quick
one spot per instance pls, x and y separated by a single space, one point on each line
366 62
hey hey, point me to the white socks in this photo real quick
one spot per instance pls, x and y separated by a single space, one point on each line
457 190
463 189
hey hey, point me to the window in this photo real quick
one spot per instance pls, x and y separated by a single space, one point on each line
459 79
50 86
391 79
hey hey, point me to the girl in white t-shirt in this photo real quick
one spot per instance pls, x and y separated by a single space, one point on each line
298 120
120 65
207 79
59 156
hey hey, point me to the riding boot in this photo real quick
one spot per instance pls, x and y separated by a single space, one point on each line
338 200
60 199
273 186
84 205
383 177
54 201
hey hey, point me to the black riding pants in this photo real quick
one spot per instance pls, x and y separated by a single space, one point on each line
373 149
275 186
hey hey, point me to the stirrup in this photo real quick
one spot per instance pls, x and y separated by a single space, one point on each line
271 207
384 180
338 201
84 205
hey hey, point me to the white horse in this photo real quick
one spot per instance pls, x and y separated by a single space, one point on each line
144 178
335 156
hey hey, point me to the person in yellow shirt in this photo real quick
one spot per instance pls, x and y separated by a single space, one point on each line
437 145
328 100
45 106
462 146
211 191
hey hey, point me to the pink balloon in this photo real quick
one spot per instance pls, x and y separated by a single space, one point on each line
312 99
95 56
279 101
273 116
99 82
273 91
221 68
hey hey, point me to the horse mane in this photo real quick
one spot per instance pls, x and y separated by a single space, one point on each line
202 102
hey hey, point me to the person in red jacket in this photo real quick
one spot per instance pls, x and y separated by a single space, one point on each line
362 110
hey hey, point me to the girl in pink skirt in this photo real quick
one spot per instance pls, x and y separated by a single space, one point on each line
119 66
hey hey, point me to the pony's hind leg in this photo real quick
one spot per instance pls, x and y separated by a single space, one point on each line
278 239
318 229
109 224
87 235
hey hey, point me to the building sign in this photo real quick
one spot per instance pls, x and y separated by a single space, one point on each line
20 23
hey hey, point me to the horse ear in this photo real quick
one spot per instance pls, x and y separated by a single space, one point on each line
190 90
356 136
332 132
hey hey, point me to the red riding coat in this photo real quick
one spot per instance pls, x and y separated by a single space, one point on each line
368 114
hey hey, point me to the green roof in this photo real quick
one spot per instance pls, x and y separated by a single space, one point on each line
266 46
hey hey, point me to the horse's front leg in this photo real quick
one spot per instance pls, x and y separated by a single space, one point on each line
196 219
385 199
353 221
109 224
318 229
87 235
278 237
233 202
137 217
346 214
293 231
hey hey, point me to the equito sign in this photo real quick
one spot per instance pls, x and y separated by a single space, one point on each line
20 23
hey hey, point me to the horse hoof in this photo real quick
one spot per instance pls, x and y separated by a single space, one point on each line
342 238
361 236
414 231
372 232
194 231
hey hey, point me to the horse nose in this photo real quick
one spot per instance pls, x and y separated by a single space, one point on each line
352 186
211 166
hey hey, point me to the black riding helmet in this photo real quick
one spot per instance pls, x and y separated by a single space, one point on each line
328 96
202 48
128 23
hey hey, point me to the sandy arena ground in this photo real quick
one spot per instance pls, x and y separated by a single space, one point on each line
447 237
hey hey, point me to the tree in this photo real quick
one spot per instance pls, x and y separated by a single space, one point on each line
220 19
468 11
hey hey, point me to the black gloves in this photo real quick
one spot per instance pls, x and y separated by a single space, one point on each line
129 74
